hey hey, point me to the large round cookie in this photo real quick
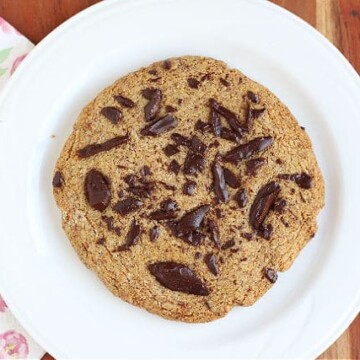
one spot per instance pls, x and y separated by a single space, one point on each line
186 187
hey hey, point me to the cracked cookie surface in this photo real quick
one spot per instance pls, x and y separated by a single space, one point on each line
187 187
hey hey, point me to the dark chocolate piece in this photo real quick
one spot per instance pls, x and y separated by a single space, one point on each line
261 206
253 97
174 167
265 231
210 261
111 113
154 233
202 126
215 122
167 64
197 146
253 165
251 115
194 163
214 233
280 206
58 180
230 117
193 83
219 185
94 149
170 150
101 241
97 190
124 101
153 106
303 180
227 134
145 171
225 82
132 237
164 124
245 151
271 275
178 277
231 179
128 205
189 188
193 219
229 244
180 140
148 93
241 197
169 108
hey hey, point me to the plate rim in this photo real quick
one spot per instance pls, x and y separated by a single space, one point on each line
348 315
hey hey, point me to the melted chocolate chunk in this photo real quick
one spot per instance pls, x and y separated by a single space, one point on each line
174 167
229 244
58 180
279 161
142 191
230 117
164 124
214 233
128 205
207 76
252 114
148 93
245 151
124 101
97 190
280 206
303 180
193 219
170 150
109 221
210 261
169 108
153 106
219 214
271 275
227 134
197 255
231 179
194 163
154 233
241 198
167 186
178 277
225 82
145 171
94 149
101 241
197 146
162 215
253 97
193 83
189 188
219 185
167 64
265 231
253 165
152 72
202 126
130 179
247 236
180 140
169 205
111 113
215 122
261 206
132 237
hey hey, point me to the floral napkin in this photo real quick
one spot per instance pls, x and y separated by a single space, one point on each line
15 343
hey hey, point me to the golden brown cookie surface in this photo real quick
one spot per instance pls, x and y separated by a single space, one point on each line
186 186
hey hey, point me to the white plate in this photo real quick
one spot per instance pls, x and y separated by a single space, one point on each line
61 303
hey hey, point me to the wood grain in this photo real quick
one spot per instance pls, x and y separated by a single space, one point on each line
338 20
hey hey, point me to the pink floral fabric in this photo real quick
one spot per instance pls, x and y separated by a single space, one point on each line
15 343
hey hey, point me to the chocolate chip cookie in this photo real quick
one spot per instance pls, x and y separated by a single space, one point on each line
187 187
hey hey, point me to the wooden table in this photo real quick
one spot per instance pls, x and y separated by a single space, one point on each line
338 20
